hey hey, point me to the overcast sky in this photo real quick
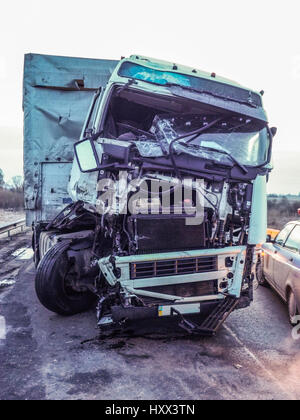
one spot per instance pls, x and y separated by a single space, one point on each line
255 43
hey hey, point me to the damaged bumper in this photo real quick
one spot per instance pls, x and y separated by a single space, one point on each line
178 282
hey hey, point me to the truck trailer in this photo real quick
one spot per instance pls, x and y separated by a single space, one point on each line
145 186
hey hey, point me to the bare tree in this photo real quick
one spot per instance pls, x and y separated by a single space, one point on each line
11 195
18 183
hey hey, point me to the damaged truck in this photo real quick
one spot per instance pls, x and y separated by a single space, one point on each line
145 186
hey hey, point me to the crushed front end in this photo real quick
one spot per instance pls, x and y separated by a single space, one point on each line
171 170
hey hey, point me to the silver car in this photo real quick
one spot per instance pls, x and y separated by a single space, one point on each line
279 266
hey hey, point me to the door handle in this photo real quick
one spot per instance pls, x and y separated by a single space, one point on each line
291 259
275 252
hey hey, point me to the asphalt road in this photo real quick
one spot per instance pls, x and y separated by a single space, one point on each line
46 356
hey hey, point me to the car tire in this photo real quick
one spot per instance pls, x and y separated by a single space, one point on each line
260 274
52 287
292 307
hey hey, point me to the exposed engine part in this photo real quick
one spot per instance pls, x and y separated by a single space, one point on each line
159 233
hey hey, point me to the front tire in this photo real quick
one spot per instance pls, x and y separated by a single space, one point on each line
292 307
52 285
260 274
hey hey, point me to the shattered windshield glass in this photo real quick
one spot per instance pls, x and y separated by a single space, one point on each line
238 137
250 149
197 83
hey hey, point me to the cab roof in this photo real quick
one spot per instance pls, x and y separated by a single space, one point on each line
179 68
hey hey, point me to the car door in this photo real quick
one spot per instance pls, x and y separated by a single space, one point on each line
285 259
271 252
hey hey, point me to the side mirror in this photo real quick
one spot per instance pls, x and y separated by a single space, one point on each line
89 155
269 238
273 131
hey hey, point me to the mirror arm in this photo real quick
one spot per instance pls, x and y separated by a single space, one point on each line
91 109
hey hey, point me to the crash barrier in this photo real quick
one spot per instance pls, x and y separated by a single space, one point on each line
10 227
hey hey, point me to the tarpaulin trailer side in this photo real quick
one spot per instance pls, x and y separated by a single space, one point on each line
57 92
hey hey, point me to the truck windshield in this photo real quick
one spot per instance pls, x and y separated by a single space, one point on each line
200 84
250 149
230 138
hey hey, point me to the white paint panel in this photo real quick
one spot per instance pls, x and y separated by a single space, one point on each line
191 308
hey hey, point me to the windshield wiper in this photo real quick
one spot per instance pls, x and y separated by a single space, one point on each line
194 134
224 152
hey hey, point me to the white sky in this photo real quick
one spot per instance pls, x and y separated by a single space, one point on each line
255 43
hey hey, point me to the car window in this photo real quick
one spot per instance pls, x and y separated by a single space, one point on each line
293 241
281 237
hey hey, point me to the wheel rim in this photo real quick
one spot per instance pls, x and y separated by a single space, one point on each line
66 272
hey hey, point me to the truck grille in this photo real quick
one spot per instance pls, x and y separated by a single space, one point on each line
198 288
176 267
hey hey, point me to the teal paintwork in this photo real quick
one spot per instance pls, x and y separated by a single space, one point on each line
258 220
57 92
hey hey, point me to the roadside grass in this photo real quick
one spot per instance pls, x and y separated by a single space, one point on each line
282 211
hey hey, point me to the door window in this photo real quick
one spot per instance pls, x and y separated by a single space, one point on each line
293 241
281 237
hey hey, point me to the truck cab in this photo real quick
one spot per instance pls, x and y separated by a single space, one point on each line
167 199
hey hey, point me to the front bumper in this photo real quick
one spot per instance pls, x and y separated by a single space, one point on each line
223 279
119 313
